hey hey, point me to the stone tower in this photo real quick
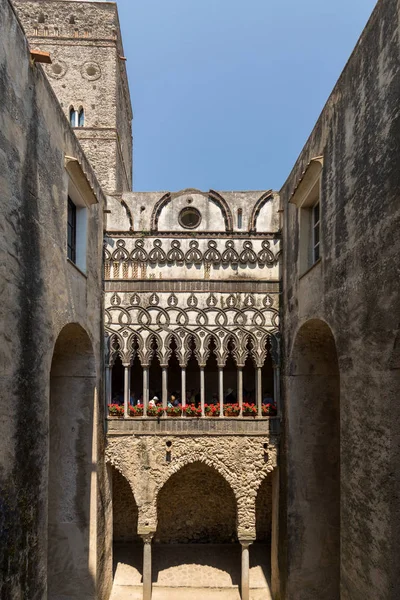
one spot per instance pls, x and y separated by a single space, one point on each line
89 78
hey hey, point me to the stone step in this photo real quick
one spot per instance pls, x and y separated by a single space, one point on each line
126 592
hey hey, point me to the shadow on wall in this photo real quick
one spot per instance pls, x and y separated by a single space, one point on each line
71 531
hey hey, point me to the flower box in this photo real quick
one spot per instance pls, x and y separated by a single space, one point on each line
211 410
155 411
269 410
115 410
136 411
249 410
190 410
174 411
231 410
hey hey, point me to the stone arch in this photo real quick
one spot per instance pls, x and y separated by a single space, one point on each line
169 197
257 209
71 490
206 501
125 507
313 430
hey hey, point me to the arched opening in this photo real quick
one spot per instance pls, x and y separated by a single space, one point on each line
71 490
192 375
249 378
230 377
267 377
155 373
73 117
117 393
211 376
136 377
127 544
195 544
174 375
313 438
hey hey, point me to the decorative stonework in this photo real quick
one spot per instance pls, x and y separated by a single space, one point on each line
244 462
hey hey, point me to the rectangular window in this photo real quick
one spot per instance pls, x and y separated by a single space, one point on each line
71 239
316 232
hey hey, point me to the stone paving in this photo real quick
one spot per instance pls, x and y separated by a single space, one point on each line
191 571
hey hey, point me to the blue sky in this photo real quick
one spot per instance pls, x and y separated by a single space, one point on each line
226 92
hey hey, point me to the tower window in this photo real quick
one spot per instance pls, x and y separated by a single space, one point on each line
240 218
71 234
72 20
41 18
73 117
56 31
81 118
46 31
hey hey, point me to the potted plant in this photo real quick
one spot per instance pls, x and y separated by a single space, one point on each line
136 411
155 411
174 411
192 411
268 410
115 410
232 410
211 410
249 409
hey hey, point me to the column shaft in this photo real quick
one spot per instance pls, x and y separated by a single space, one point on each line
183 387
147 569
164 386
277 389
221 390
240 388
108 386
127 388
245 587
145 389
259 391
202 390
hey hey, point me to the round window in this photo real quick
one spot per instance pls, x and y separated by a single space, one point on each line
189 217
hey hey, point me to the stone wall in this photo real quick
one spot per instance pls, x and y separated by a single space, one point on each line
354 289
243 461
41 293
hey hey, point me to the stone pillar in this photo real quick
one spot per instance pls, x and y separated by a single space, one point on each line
164 373
127 388
240 388
275 580
221 390
146 389
259 391
147 566
245 581
183 387
202 390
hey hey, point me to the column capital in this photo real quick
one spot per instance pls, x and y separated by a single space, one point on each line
147 537
246 542
126 365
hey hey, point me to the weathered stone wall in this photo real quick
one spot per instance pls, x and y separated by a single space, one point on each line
41 293
87 72
241 460
355 290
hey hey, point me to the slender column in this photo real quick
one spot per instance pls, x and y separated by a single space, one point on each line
202 390
259 391
245 583
127 388
147 566
183 387
240 388
145 389
164 386
221 390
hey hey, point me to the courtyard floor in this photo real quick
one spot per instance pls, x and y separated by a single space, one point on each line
191 572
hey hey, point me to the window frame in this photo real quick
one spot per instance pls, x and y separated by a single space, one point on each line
71 229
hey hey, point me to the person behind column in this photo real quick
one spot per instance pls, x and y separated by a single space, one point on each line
132 399
230 397
214 399
119 397
267 398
